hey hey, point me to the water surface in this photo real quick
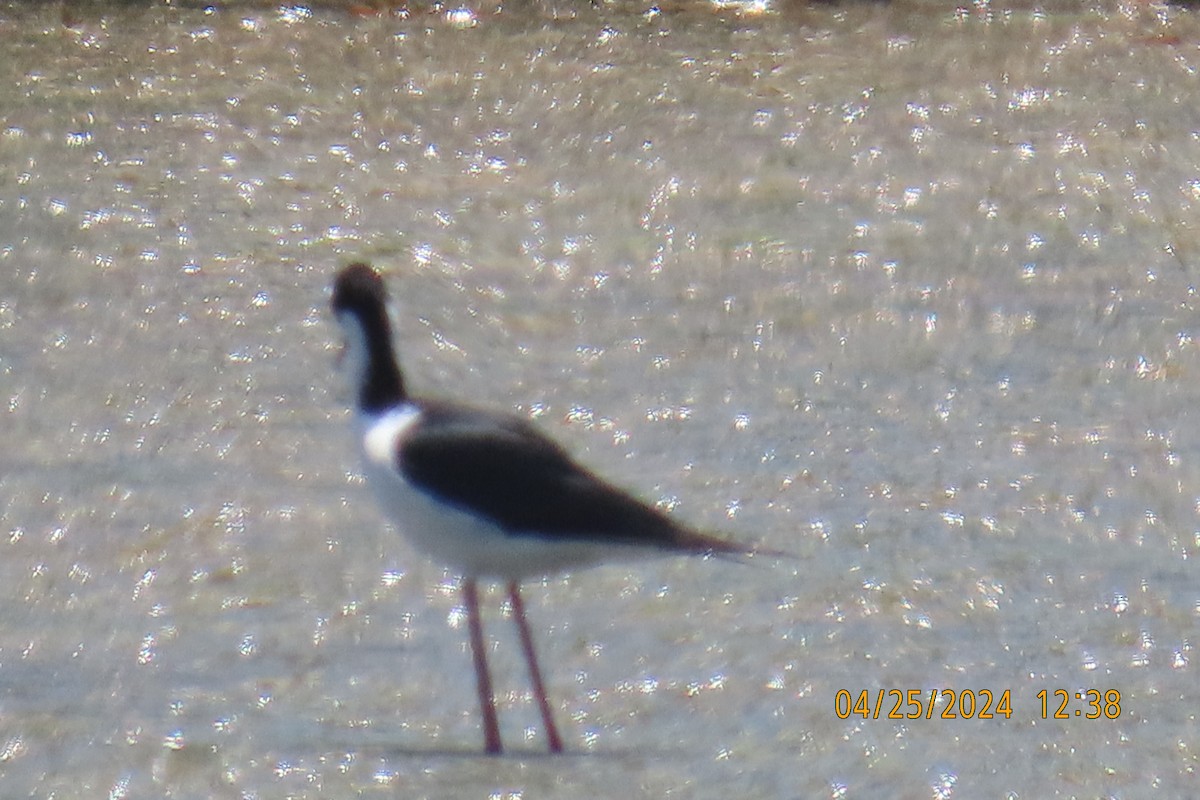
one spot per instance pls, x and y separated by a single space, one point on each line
905 290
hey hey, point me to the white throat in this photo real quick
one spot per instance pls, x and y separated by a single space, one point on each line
355 355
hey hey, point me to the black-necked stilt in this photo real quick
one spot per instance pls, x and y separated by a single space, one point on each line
484 493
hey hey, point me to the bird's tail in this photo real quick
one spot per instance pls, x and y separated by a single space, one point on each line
708 545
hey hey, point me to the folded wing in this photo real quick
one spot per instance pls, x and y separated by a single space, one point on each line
503 468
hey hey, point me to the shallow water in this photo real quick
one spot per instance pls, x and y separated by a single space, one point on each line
905 290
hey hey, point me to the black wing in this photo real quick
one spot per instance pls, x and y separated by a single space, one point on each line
501 467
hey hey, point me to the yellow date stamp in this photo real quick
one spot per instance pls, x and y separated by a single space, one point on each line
913 704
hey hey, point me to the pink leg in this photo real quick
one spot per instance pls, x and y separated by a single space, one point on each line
535 673
483 680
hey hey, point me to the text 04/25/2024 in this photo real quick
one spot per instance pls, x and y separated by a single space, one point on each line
911 704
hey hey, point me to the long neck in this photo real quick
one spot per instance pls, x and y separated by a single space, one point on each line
379 383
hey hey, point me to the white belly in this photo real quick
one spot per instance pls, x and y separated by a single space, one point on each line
455 538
